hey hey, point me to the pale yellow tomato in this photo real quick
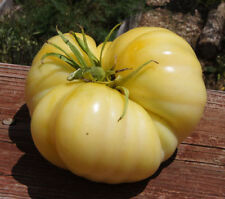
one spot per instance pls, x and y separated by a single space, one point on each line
84 126
172 90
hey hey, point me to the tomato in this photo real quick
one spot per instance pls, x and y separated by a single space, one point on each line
88 124
173 89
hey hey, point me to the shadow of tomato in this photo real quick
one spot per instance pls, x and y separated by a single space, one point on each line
44 180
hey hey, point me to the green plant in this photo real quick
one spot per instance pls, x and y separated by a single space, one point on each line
215 74
23 32
14 46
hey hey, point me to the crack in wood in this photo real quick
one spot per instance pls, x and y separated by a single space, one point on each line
200 162
205 146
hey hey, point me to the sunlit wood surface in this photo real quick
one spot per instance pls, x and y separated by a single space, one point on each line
196 170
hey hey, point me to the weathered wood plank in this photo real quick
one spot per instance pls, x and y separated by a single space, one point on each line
211 129
14 67
197 170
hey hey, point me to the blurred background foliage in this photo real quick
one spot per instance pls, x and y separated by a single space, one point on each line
24 31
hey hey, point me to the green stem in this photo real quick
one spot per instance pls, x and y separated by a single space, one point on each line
121 81
126 95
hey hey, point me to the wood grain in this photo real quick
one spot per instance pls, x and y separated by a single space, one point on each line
196 170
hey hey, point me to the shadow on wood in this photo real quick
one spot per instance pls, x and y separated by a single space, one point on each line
44 180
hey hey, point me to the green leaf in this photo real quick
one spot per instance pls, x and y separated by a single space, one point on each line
78 40
73 49
70 58
93 59
210 69
84 46
60 56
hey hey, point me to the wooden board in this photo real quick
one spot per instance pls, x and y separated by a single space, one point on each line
196 170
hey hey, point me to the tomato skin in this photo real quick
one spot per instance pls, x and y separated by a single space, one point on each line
130 146
75 125
42 122
173 89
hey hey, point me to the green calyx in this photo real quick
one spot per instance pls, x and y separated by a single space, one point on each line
95 72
